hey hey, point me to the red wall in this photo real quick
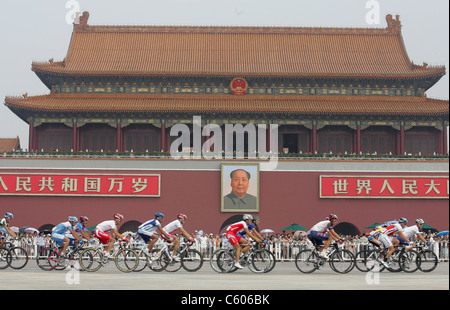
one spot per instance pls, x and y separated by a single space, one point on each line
286 197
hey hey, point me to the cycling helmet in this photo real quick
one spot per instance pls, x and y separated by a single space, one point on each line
84 219
255 218
420 222
9 215
181 217
402 220
332 217
73 219
248 217
118 216
159 214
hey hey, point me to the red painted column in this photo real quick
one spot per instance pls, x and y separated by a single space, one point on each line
314 139
119 143
31 138
163 138
75 147
402 139
358 139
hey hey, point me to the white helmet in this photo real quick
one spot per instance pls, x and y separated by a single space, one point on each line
248 217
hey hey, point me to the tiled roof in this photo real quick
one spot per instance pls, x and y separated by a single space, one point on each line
230 104
8 145
238 51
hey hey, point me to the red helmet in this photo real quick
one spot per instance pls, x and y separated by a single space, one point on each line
332 217
118 216
181 217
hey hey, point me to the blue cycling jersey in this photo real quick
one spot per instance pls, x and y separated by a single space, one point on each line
242 232
62 228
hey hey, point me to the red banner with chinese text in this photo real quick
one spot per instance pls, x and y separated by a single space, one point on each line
395 187
67 184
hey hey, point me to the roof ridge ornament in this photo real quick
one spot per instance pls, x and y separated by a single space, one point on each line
394 25
82 22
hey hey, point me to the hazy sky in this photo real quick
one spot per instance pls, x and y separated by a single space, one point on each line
36 30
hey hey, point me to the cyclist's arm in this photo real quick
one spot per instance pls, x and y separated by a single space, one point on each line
185 233
10 232
334 235
86 235
256 236
118 235
75 235
163 232
402 235
419 235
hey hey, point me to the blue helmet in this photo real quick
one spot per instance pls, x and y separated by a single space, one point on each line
159 214
9 215
402 220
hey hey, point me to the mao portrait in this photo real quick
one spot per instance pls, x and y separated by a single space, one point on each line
240 188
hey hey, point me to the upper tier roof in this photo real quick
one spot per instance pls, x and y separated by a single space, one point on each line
238 51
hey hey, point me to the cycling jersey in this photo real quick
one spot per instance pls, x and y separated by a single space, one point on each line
172 226
232 231
322 227
242 232
102 228
106 225
59 231
391 229
147 229
411 231
3 225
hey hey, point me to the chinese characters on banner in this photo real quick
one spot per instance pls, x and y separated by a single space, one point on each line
43 184
406 187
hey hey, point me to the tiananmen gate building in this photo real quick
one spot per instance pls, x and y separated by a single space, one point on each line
329 91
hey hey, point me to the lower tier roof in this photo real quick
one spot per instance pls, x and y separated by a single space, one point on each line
248 104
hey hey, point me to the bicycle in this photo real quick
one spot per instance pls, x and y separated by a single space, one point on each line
340 260
125 259
49 258
13 256
427 259
161 259
257 259
401 259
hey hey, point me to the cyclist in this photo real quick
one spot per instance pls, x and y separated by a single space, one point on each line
58 233
254 234
4 225
323 233
387 234
148 230
80 229
102 229
236 240
173 226
410 232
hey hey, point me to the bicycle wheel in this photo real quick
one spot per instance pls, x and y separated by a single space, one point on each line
307 261
143 260
91 260
222 261
342 261
46 259
261 261
192 260
3 258
427 261
126 260
409 261
159 263
17 258
394 265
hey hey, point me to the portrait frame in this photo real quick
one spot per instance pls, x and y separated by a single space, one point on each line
229 201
